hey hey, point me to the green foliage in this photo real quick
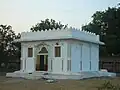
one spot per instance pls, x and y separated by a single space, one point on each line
47 24
107 25
8 50
108 86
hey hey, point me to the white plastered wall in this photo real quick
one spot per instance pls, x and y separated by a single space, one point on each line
87 53
58 66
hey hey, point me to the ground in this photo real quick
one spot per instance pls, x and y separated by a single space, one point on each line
22 84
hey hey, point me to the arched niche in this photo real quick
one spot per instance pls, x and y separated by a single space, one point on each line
43 50
39 47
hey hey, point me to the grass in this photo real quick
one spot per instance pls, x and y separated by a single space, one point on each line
87 84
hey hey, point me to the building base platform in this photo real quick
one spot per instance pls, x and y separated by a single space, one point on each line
50 75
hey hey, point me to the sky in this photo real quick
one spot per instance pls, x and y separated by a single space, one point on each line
23 14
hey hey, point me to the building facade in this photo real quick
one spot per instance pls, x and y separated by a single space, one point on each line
59 51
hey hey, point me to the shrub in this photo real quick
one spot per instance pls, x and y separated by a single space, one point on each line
108 86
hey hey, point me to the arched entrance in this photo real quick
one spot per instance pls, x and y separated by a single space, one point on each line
42 60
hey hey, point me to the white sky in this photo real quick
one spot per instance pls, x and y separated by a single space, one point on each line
22 14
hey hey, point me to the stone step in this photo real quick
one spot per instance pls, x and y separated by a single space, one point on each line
80 75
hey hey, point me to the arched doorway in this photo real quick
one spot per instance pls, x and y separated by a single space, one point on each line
42 60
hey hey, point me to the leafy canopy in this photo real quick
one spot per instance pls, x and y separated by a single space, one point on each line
47 24
107 24
8 50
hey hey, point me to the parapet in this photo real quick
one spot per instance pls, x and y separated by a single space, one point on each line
67 33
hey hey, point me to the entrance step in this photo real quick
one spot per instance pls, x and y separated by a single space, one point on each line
46 75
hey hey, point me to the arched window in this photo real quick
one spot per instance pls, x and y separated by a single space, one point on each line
57 51
43 50
30 52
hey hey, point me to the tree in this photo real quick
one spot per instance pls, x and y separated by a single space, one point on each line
7 49
47 24
107 25
18 47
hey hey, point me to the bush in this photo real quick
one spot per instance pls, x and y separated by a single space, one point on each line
109 86
12 67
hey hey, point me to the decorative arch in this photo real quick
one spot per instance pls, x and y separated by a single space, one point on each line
42 57
43 50
41 47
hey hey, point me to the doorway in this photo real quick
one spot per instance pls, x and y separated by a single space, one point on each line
42 60
42 63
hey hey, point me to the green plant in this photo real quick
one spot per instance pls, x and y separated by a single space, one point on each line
108 86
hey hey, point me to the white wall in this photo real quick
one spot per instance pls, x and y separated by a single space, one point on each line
64 56
29 64
75 58
59 63
70 50
86 56
85 36
46 35
23 56
60 34
95 57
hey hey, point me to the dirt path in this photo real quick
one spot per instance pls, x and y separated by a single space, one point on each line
22 84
